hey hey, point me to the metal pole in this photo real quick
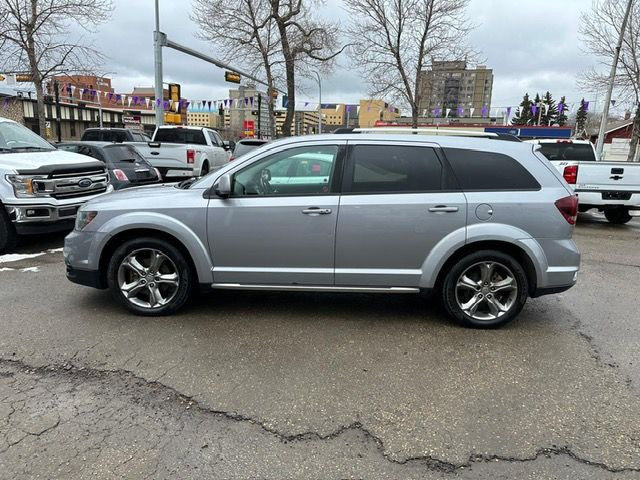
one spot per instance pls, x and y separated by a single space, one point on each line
319 103
612 79
259 115
157 51
56 90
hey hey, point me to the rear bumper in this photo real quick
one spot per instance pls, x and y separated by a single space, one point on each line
594 199
88 278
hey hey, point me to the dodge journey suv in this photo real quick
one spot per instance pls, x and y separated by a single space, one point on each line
483 223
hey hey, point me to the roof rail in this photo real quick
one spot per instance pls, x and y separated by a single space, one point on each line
431 131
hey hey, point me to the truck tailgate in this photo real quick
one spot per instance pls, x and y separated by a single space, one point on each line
164 155
609 176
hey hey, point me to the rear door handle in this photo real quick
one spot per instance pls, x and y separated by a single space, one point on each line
443 209
314 211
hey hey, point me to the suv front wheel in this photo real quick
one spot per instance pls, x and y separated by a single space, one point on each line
485 289
149 276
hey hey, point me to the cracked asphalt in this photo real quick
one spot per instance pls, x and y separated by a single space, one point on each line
270 385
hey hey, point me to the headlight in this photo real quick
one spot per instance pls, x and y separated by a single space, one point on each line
84 218
23 185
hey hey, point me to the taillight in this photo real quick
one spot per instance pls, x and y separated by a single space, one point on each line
120 175
191 155
568 207
570 174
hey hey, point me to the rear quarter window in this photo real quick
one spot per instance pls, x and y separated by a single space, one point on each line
476 170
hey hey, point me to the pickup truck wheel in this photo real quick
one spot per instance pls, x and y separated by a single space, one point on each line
618 216
8 235
485 289
150 277
204 169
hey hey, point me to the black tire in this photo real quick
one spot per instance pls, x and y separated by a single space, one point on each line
8 235
618 216
185 275
204 169
470 261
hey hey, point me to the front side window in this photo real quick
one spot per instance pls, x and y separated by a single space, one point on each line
393 169
297 171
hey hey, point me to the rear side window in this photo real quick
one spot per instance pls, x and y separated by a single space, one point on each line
477 170
393 169
180 135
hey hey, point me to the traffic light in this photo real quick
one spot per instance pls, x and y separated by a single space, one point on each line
232 77
24 77
174 97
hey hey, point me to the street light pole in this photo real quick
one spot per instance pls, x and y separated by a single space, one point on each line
612 79
157 52
319 103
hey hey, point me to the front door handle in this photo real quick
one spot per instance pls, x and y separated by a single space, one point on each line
314 211
443 209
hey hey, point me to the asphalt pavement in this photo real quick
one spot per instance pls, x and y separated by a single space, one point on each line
300 385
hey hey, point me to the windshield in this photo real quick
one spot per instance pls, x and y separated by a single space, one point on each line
16 137
582 152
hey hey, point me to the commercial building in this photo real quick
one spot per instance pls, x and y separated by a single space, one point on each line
372 111
80 87
204 119
248 115
339 115
450 85
305 122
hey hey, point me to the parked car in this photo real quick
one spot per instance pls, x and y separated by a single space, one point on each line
178 151
41 187
127 168
610 187
246 145
118 135
485 222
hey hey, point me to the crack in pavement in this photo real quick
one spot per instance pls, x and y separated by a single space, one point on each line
429 462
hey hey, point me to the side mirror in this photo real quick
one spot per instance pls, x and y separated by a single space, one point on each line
222 188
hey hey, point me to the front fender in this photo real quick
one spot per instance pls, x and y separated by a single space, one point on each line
495 232
165 224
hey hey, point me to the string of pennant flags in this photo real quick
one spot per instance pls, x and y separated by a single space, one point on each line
507 111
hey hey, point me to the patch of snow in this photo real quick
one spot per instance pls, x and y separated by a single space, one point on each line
16 257
4 269
55 250
30 269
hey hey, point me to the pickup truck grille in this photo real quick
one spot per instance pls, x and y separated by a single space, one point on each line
77 183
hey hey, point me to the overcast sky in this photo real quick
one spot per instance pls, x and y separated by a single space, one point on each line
531 45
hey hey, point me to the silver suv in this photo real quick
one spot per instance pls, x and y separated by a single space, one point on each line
486 223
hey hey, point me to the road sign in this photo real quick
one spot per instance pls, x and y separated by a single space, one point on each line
232 77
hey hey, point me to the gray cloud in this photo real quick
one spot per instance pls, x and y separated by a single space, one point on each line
532 46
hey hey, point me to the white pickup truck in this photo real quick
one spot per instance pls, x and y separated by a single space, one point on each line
41 188
179 151
611 187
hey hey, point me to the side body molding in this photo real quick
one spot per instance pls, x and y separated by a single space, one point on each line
478 233
165 224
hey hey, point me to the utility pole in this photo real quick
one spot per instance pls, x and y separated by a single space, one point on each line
319 103
157 52
612 79
259 129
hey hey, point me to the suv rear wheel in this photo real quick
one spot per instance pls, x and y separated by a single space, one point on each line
485 289
617 215
149 276
8 236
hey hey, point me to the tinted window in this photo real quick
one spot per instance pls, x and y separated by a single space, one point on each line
212 138
297 171
83 150
91 136
568 151
121 154
180 135
489 171
386 168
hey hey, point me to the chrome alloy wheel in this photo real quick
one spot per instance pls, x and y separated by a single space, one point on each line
486 290
148 278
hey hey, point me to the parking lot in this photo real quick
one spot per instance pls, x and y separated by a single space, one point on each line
282 385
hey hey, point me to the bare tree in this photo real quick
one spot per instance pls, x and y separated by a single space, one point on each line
245 27
306 43
34 38
600 30
394 40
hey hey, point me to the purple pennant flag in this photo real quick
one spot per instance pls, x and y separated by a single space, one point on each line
586 106
560 108
348 108
135 100
166 104
485 110
209 105
460 111
158 102
613 103
251 101
110 96
225 102
246 101
508 112
68 88
534 109
118 98
306 104
93 93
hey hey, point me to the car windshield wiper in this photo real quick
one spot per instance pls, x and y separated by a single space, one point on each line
30 147
185 184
